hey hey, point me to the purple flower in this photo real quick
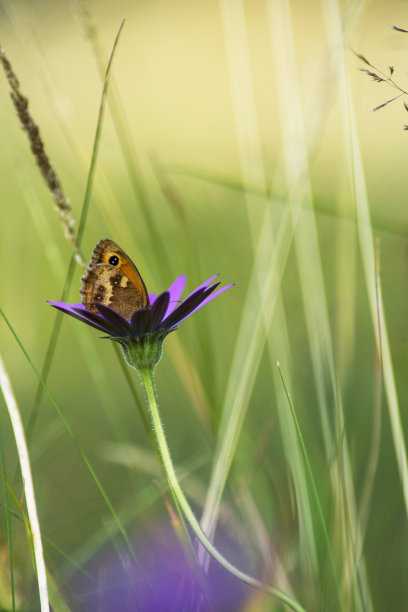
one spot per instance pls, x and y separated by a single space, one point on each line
163 579
147 327
163 312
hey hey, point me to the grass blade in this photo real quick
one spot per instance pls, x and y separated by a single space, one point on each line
128 149
366 239
81 228
24 460
312 479
73 437
8 526
243 370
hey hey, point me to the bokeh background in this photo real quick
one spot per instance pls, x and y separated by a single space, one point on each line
224 117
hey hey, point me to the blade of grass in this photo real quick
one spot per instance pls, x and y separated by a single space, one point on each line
375 438
96 370
114 219
241 381
72 436
268 267
329 211
115 516
8 526
295 156
186 373
312 479
56 598
146 497
130 156
104 391
24 461
269 263
366 240
139 458
25 28
314 297
81 228
92 356
355 571
278 344
202 329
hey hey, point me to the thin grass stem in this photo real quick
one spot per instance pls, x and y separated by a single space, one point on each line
22 517
128 150
73 437
375 438
24 459
366 239
52 343
97 138
309 471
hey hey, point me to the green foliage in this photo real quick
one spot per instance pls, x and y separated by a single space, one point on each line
252 177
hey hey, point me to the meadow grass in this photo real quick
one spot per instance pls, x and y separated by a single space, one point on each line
293 478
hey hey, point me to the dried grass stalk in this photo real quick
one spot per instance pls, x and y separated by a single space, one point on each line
50 176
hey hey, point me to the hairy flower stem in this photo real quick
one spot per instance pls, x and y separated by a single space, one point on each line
181 500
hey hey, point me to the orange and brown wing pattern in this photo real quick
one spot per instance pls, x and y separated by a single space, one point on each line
103 253
112 279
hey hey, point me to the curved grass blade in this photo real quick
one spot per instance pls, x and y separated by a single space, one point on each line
366 239
24 460
130 156
81 228
266 274
186 372
59 606
73 437
312 479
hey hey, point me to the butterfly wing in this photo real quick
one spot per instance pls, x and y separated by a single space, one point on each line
108 285
112 279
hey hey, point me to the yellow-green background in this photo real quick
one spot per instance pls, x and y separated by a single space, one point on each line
172 74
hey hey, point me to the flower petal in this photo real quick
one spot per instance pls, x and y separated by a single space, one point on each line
66 307
141 322
159 309
175 290
100 320
186 307
81 315
208 299
115 320
204 285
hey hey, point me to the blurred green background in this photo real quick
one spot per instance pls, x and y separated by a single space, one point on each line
206 97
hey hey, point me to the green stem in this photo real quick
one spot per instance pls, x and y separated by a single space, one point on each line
312 481
181 500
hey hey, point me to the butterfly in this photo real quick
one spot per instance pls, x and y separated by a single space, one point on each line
112 279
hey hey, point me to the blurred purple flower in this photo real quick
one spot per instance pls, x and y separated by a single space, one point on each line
164 312
161 580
